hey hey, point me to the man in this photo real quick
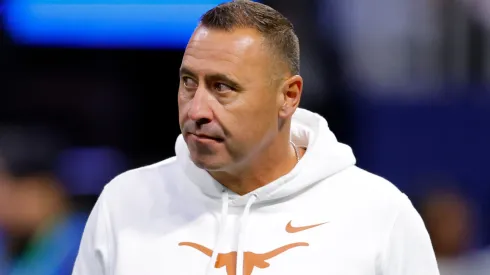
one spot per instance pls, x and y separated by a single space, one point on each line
41 233
450 218
257 186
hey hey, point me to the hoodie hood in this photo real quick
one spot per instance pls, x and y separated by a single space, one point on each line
160 218
324 157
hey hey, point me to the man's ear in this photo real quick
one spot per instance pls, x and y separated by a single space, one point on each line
291 90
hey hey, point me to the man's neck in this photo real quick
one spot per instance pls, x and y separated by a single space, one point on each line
267 166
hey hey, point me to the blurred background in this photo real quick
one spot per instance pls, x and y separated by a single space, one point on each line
88 89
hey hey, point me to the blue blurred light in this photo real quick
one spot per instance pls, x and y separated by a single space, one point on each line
105 23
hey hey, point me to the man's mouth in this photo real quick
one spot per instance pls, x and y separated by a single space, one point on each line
206 137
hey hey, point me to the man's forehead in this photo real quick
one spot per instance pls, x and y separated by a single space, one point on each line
240 38
238 46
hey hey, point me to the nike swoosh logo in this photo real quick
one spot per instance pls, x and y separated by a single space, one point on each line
293 229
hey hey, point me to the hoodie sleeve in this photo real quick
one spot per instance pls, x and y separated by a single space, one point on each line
408 249
95 247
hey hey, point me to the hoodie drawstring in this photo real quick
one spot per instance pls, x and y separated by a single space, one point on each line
221 231
241 234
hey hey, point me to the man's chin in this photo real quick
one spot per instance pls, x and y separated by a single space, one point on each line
208 165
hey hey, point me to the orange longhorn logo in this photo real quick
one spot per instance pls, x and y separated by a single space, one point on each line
250 259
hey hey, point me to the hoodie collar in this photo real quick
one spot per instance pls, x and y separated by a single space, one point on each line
324 157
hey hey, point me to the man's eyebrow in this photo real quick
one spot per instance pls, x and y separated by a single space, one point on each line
224 78
186 71
220 76
213 77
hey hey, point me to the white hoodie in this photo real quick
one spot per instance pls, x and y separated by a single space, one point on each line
324 217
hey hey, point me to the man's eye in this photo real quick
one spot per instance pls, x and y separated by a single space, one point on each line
189 82
221 87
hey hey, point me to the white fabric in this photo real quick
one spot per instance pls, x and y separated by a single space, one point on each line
222 228
174 218
471 263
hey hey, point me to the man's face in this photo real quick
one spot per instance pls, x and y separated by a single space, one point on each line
228 102
20 205
9 203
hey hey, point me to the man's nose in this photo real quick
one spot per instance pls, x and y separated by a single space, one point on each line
200 109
